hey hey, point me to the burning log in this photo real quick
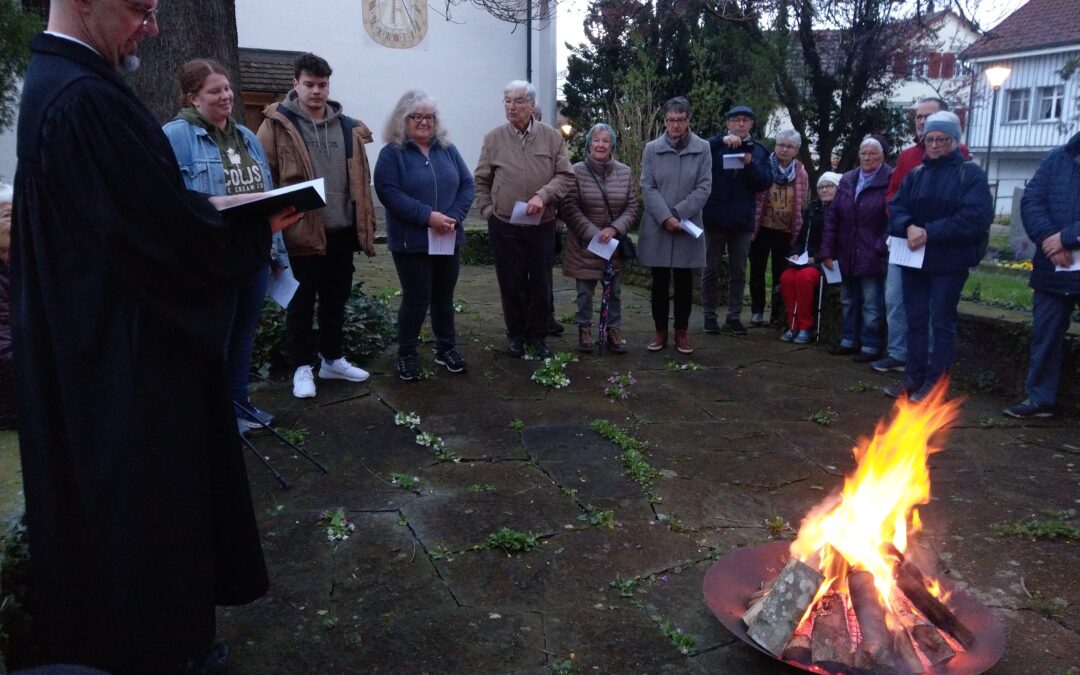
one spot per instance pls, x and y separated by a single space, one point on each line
798 650
905 650
934 647
830 643
781 610
910 580
875 651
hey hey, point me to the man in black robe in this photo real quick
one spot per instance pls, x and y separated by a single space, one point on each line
138 509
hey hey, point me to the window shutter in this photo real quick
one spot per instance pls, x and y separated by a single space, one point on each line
933 66
948 66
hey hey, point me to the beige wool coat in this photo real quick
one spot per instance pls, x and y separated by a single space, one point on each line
584 213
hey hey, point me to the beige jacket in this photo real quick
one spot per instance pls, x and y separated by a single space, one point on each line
290 164
511 171
585 215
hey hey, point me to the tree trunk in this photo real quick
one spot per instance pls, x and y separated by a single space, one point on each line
189 29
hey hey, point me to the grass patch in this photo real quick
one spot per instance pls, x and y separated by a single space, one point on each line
633 453
598 517
1054 527
512 540
1009 291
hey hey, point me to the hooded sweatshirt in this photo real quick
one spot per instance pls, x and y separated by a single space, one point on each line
325 141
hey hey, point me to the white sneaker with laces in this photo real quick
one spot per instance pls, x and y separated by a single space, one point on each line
303 383
341 369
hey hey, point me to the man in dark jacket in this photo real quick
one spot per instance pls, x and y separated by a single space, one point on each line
944 206
138 510
1051 211
729 214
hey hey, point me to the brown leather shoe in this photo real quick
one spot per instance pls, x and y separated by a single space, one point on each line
658 342
681 342
584 339
615 343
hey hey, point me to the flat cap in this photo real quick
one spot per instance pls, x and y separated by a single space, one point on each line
742 110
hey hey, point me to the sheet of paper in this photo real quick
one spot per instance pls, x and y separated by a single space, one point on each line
441 244
690 228
605 251
900 254
803 259
832 276
733 161
282 287
1074 267
520 217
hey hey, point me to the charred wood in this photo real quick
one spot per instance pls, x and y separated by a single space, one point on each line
875 651
910 580
831 641
934 647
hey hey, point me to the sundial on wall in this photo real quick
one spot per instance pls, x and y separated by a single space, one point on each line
396 23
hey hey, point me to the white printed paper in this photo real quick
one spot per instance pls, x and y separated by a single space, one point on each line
282 287
690 228
733 161
832 276
900 254
441 244
521 217
803 259
1074 267
605 251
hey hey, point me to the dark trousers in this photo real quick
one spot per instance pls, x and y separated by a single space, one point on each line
426 281
523 255
930 300
737 244
768 243
249 304
329 278
1051 315
684 296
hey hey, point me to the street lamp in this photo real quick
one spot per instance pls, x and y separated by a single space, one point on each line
567 130
996 77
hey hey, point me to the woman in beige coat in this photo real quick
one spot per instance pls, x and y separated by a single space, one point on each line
601 204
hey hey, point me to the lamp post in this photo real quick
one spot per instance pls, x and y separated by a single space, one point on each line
996 77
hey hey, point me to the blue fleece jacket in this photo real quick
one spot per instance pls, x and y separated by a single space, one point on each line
950 198
1051 204
411 186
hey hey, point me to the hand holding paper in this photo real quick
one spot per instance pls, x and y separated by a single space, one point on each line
901 254
603 249
521 215
690 228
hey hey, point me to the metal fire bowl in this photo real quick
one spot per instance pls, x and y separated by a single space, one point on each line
731 581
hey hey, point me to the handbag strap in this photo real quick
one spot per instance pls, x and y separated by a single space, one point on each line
603 192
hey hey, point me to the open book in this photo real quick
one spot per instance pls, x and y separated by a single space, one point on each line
304 196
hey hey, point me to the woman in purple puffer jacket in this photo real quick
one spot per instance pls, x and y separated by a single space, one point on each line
854 239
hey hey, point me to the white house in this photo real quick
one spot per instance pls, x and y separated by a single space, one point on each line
932 66
1035 109
381 48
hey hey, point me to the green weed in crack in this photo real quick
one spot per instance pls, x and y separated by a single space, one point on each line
553 373
405 482
598 517
477 488
1055 526
517 425
624 586
822 417
294 436
511 540
684 642
632 453
338 527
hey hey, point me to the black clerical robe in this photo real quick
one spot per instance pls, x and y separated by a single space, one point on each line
138 508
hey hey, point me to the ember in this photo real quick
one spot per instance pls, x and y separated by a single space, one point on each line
850 596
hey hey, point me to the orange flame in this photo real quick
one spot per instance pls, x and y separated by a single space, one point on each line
877 504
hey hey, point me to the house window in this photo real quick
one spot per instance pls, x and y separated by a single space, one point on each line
1017 105
1050 100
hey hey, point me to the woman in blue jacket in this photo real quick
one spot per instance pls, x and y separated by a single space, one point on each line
217 156
426 189
945 206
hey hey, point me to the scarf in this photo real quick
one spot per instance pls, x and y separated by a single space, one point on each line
864 179
781 176
680 144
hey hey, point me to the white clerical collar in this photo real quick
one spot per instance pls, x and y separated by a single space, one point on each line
72 39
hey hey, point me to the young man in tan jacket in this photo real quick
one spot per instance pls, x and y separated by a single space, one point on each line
305 137
523 161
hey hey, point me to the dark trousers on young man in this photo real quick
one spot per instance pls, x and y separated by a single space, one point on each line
427 281
684 296
523 255
328 278
930 302
737 244
777 245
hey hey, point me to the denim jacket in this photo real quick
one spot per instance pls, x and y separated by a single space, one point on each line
200 164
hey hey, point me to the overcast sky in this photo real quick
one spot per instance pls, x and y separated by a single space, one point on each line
571 14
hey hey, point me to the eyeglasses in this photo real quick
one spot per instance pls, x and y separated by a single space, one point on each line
920 118
515 101
676 120
826 186
418 118
937 140
149 13
789 146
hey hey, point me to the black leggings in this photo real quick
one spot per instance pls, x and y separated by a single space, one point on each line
684 289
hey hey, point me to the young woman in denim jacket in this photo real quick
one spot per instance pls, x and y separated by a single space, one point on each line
217 156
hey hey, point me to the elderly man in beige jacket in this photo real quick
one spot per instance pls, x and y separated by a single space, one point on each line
523 161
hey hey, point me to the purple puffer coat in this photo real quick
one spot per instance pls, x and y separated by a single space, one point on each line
855 228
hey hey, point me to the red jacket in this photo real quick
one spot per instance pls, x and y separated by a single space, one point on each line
908 160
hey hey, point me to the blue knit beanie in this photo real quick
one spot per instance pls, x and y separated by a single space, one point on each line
944 122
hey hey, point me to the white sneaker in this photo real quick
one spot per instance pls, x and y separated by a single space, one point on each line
340 369
303 383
